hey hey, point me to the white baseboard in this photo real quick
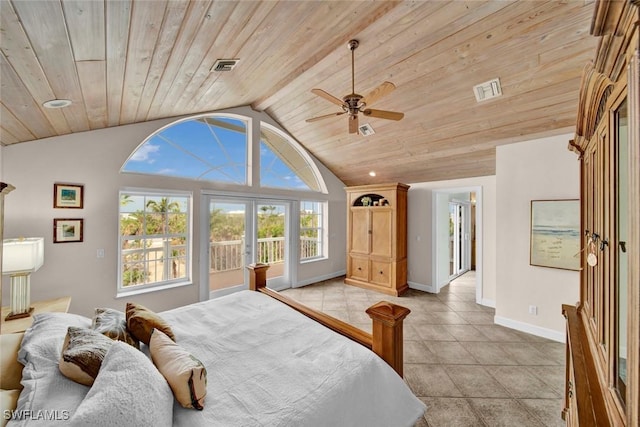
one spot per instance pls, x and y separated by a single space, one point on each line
317 279
488 302
422 287
531 329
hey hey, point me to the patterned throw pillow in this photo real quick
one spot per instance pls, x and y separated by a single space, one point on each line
185 374
113 324
82 354
141 321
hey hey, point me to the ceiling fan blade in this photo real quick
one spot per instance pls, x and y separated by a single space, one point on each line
353 123
382 114
315 119
321 93
383 90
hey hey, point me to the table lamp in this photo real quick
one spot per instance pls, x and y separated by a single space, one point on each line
20 258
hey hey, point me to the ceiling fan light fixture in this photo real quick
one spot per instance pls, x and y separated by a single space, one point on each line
353 104
57 103
372 173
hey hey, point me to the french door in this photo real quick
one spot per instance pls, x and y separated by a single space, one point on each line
242 231
459 244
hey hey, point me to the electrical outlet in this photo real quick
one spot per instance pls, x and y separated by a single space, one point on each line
100 253
533 310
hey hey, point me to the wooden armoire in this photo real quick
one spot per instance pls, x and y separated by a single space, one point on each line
603 328
377 237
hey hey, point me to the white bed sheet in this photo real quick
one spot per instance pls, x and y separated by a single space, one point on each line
269 365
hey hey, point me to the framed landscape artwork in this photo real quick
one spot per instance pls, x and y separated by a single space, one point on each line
68 196
67 230
555 234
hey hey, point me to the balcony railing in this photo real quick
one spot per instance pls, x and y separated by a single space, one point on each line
229 255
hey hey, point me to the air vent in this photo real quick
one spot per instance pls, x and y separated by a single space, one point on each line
366 130
224 64
487 90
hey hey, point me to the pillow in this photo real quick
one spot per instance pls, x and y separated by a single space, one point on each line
113 324
10 368
128 390
185 374
82 354
45 388
141 321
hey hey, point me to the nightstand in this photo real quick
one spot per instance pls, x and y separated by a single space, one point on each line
20 325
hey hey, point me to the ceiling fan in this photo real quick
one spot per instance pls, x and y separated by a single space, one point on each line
353 104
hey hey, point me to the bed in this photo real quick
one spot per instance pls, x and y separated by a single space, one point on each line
267 365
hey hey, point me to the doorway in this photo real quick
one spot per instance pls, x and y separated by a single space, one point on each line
457 232
459 238
242 231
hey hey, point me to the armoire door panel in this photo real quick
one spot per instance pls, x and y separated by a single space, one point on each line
360 231
381 232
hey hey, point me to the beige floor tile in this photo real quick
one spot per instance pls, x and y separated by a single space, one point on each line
504 413
475 381
450 412
430 380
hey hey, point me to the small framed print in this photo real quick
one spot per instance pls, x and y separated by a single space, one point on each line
68 196
67 230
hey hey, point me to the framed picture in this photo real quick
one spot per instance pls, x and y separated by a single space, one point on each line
555 234
66 230
68 196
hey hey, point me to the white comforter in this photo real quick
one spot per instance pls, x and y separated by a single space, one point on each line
269 365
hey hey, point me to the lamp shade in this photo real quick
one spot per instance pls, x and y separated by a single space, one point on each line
22 255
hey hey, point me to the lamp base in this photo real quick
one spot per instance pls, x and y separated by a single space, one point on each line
14 316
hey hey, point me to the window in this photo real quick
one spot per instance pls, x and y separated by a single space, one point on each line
154 240
312 230
281 163
217 148
212 148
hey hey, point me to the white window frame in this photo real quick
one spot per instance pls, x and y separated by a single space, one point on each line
321 229
124 291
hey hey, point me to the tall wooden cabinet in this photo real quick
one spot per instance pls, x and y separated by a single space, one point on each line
603 328
377 237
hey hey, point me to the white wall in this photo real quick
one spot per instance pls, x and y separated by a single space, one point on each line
534 170
421 234
94 160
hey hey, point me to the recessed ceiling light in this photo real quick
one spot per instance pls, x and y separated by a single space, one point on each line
57 103
372 173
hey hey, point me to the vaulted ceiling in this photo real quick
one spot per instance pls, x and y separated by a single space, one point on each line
127 61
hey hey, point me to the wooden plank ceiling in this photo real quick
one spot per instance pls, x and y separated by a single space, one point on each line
127 61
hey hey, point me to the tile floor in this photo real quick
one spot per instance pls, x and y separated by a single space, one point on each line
469 371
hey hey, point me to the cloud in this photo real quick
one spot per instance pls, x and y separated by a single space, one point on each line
144 153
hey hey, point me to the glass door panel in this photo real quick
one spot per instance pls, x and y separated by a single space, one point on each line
229 250
272 241
459 249
622 257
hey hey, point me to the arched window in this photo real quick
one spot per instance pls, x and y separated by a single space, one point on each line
216 148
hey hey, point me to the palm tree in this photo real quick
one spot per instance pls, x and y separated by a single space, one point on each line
161 209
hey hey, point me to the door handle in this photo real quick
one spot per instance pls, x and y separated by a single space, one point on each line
623 247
